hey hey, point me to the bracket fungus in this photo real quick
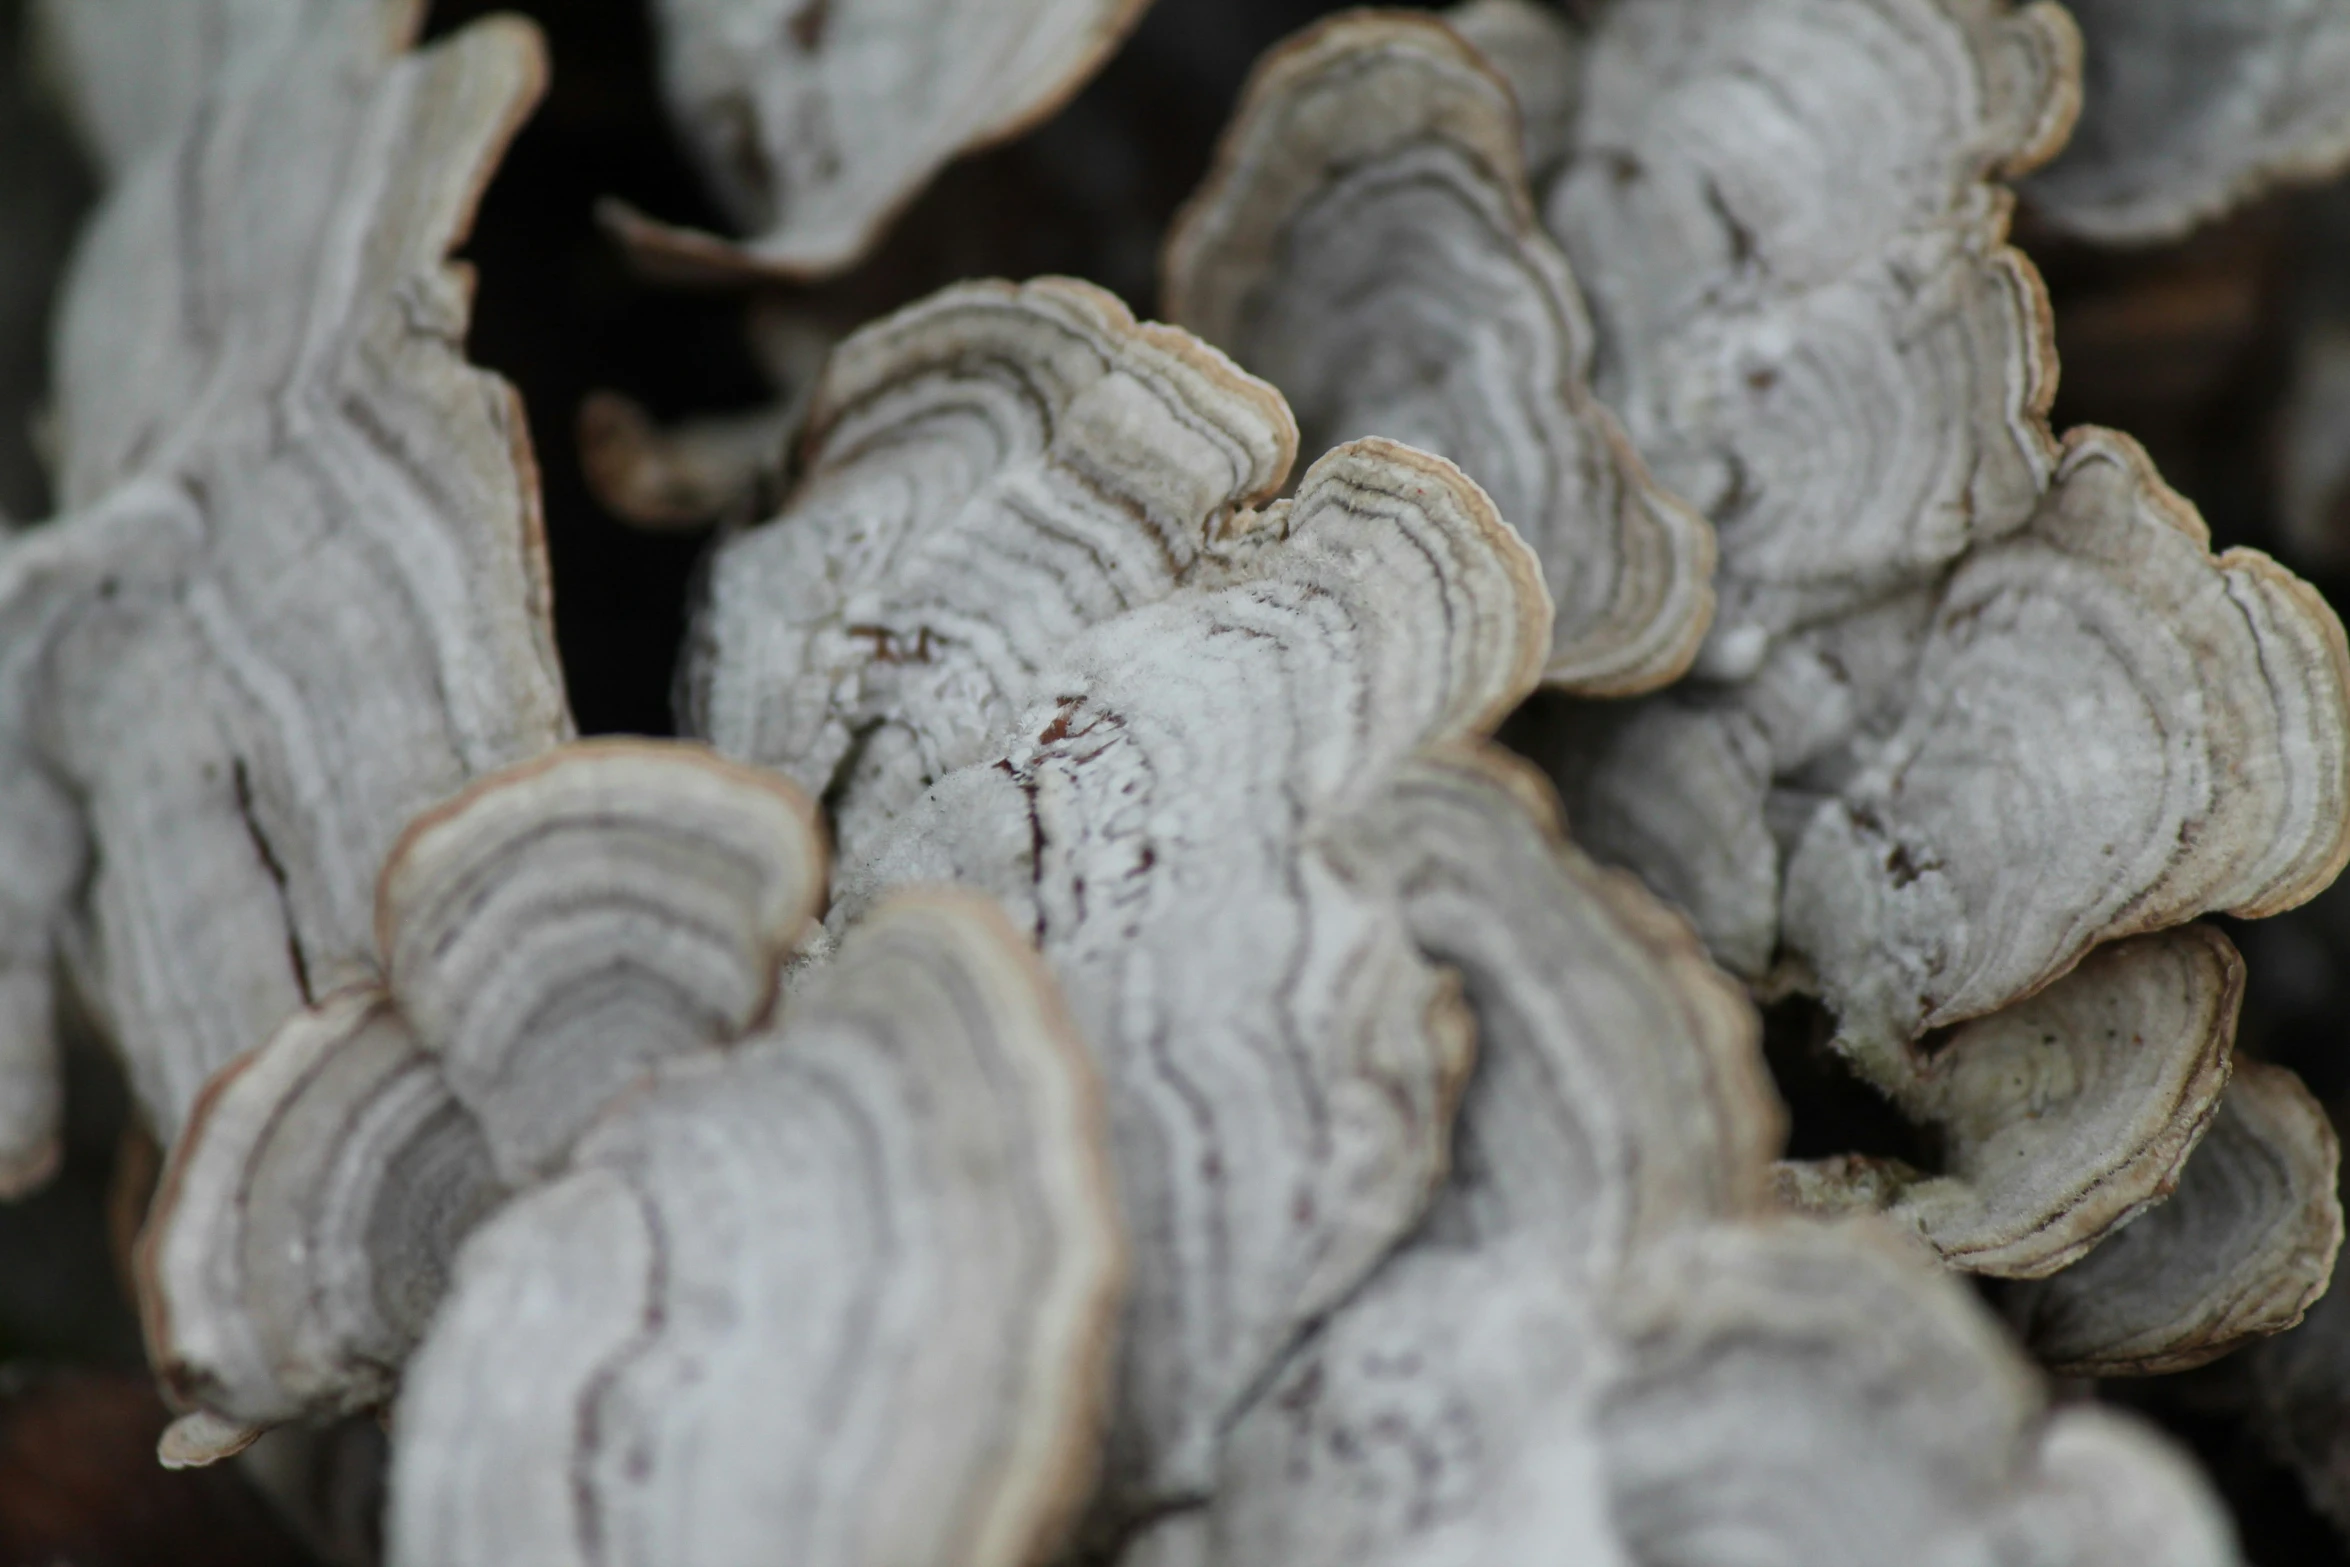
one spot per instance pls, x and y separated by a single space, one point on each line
816 120
2194 106
299 589
1807 317
1368 243
547 938
1977 702
1576 1353
846 1294
1019 630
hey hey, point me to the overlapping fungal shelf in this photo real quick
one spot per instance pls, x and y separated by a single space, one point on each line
816 120
297 592
1977 703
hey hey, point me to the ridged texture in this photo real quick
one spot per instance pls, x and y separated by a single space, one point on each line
300 591
2241 1249
1808 319
2060 1117
1367 243
1140 717
1975 702
846 1296
1594 1349
816 120
2193 106
550 937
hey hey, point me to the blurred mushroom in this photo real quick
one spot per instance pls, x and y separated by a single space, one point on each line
299 591
845 1295
685 475
1018 632
2239 1251
1367 242
131 72
2193 106
817 120
549 937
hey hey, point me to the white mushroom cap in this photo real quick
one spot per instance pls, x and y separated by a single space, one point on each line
844 1296
1367 242
301 591
817 120
2193 106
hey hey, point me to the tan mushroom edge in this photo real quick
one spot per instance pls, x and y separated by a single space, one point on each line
550 935
2239 1251
880 1234
1372 113
677 254
2060 1117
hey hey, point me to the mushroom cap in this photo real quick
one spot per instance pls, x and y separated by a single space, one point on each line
847 1294
985 474
2240 1250
2061 1117
301 590
303 1232
550 937
816 122
1780 214
1171 816
561 926
1366 241
130 72
2019 815
2192 107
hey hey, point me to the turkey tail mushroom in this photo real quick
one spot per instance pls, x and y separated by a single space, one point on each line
2192 108
300 592
2239 1251
816 120
1082 676
847 1295
549 937
1367 242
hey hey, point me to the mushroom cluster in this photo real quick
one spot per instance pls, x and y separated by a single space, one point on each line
1981 723
1092 1049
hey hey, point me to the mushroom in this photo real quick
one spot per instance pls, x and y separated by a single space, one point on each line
1580 1352
1894 785
548 938
2193 107
1018 631
299 590
2299 1382
2060 1117
131 73
2239 1251
1367 242
845 1294
817 120
1807 317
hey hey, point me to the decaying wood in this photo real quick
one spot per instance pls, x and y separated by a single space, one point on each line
844 1295
2192 106
816 120
548 938
1368 243
299 591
